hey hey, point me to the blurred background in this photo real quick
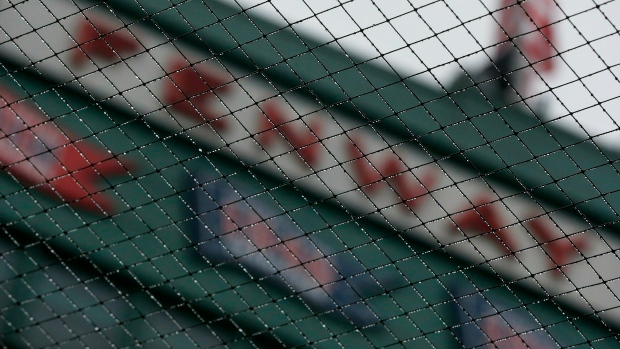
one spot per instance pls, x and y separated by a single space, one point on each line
428 174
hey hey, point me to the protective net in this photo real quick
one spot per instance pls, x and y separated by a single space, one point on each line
325 174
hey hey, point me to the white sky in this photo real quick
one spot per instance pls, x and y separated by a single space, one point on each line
585 40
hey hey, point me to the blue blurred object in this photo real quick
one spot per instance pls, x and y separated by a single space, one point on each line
265 241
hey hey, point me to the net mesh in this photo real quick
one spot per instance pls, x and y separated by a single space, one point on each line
329 174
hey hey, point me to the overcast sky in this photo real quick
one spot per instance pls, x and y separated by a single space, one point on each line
583 82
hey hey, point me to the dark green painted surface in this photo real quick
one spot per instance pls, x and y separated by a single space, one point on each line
61 261
472 126
52 253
